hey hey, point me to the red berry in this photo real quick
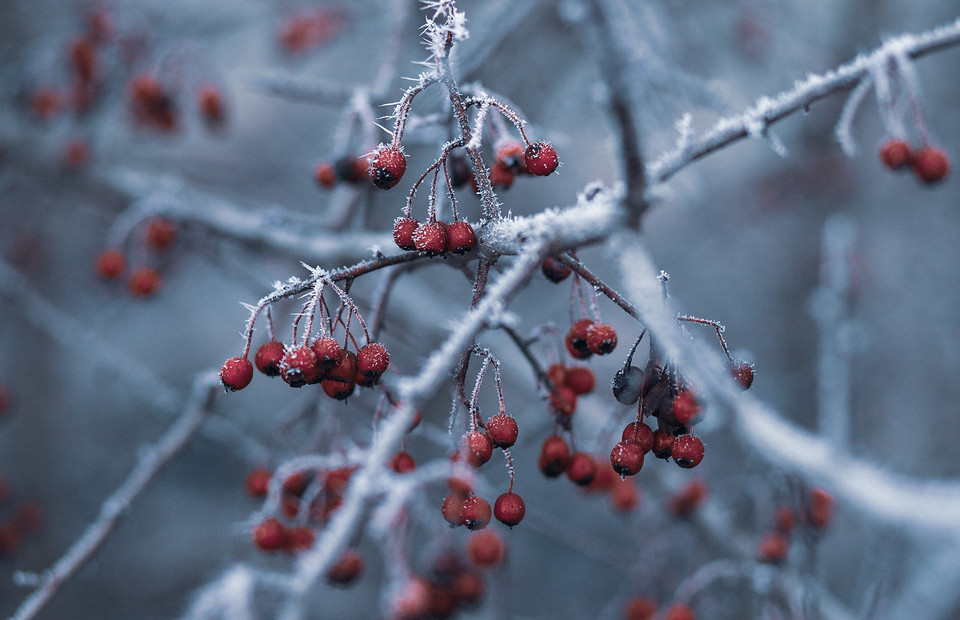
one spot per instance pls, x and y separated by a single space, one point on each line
337 388
270 535
502 430
110 264
820 510
581 468
557 374
350 169
298 366
144 282
485 548
211 104
258 482
638 608
688 498
372 360
785 519
451 508
236 373
662 444
639 433
299 538
624 495
268 357
346 570
402 462
601 338
563 401
580 379
324 175
460 237
344 370
431 238
403 231
511 156
475 512
554 455
327 351
45 103
742 372
478 448
604 478
626 458
387 167
509 509
687 451
501 177
685 407
773 548
576 340
679 612
554 270
930 165
160 233
541 159
895 154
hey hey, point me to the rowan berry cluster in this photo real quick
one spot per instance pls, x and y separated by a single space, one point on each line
816 512
159 234
929 164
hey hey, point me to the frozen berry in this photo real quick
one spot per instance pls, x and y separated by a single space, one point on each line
541 159
576 340
639 433
511 156
624 495
298 366
485 548
581 468
431 238
785 519
662 444
580 379
327 351
742 372
460 237
402 462
338 389
687 451
270 535
144 282
685 407
626 458
501 177
324 175
475 512
299 538
346 570
478 448
236 373
387 167
895 154
554 455
403 231
268 357
258 481
601 338
502 430
930 165
372 360
554 270
110 264
563 401
451 508
509 509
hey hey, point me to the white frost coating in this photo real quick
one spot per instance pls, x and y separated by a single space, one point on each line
885 496
399 489
228 598
843 131
768 110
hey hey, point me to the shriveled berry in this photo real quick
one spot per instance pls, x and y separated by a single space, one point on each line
475 512
626 458
460 237
236 373
662 444
581 468
402 462
742 372
110 264
502 430
895 154
431 238
509 509
685 407
258 481
601 338
541 159
554 455
324 175
478 448
270 535
576 340
580 379
387 167
554 271
298 366
930 165
327 351
373 360
404 229
347 569
144 282
268 358
485 548
687 451
773 548
639 433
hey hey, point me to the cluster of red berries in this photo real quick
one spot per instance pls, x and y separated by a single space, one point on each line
159 235
775 544
587 471
337 369
683 502
642 608
929 164
450 587
305 31
434 237
512 159
588 337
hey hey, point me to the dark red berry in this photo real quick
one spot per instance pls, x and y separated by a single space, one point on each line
601 338
431 238
557 374
347 569
931 165
350 169
785 519
687 499
639 433
327 351
576 340
679 612
144 282
299 538
110 264
554 455
460 237
581 468
624 495
210 102
820 510
563 401
478 448
501 177
372 360
509 509
554 270
685 407
160 233
298 366
687 451
268 358
387 167
580 379
270 535
236 373
626 458
742 372
258 481
475 512
485 549
773 548
639 608
511 156
404 229
324 175
451 508
541 159
402 462
662 444
502 430
337 388
895 154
